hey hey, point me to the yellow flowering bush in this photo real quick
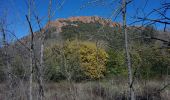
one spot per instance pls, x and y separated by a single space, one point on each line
79 59
92 60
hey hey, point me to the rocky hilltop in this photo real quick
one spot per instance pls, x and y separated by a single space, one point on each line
61 22
84 19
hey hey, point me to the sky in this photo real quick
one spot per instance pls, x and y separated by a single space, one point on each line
14 11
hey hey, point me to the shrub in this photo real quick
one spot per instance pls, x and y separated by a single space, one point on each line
115 63
17 67
93 60
154 63
53 62
75 60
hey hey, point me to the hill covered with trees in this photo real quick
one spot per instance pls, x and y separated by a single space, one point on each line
99 33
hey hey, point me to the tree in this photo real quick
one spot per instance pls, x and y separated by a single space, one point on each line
6 56
128 61
31 54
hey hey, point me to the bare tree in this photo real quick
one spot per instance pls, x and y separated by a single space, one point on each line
6 56
163 18
128 61
31 51
41 67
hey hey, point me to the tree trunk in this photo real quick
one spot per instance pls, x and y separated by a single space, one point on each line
31 59
128 60
41 90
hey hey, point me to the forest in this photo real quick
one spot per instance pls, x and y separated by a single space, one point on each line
85 57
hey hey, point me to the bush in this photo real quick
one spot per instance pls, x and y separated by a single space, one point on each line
116 63
53 62
75 60
154 63
93 60
17 67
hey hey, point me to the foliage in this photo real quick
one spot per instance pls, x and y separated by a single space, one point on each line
82 30
142 35
17 66
75 60
53 58
114 37
147 33
50 33
94 31
93 60
116 63
79 60
154 63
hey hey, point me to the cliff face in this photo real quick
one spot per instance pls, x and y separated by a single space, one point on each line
84 19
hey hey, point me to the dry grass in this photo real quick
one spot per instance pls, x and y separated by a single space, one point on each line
91 90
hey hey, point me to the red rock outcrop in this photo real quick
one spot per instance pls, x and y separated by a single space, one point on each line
85 19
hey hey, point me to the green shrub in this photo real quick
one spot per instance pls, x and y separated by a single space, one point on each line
17 67
154 63
116 63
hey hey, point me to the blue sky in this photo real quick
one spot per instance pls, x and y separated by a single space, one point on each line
15 11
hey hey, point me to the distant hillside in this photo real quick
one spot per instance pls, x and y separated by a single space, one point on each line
91 28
